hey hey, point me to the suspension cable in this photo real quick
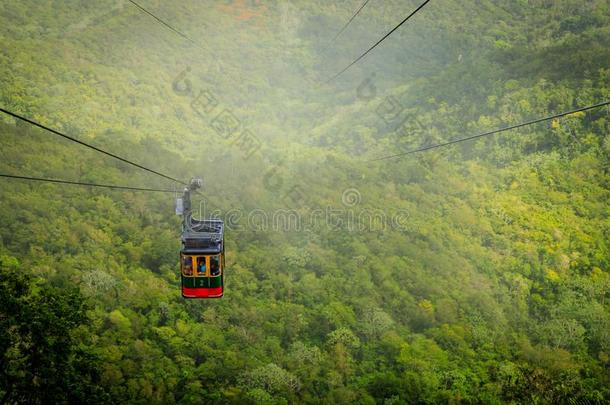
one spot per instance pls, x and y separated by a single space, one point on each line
79 183
495 131
380 41
350 20
162 22
53 131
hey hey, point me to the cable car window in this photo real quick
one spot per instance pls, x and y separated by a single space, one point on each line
201 266
187 265
215 266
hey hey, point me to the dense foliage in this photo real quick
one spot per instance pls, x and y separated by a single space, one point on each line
476 273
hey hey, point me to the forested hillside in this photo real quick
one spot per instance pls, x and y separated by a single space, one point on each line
475 273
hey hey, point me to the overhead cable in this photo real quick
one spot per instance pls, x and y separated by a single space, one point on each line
380 41
79 183
161 21
495 131
350 20
95 148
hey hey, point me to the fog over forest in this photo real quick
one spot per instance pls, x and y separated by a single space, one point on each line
366 261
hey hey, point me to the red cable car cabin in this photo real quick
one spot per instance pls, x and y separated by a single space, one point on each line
202 259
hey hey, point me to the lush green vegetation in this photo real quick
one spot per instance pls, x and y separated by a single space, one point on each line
488 279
